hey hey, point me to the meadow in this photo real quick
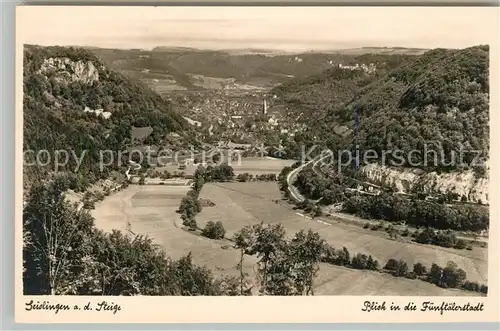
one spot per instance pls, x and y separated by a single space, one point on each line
151 211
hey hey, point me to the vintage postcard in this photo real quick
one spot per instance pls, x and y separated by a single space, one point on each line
256 164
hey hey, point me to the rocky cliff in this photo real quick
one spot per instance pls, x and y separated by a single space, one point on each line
404 180
66 70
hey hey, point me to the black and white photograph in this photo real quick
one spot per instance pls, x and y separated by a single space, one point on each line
255 151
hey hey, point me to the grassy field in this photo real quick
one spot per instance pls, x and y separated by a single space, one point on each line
258 165
151 210
251 165
240 204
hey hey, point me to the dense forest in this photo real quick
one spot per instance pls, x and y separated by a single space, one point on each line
321 93
439 98
60 83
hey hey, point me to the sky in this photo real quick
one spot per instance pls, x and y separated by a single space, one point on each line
275 28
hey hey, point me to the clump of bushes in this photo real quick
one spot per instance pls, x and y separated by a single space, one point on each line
419 269
362 261
397 268
214 230
342 257
440 238
189 222
266 177
246 177
417 212
449 277
218 173
339 257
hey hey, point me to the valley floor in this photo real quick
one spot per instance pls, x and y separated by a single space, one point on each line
151 210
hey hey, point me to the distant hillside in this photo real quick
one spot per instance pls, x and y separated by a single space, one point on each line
174 66
64 91
441 97
313 96
382 51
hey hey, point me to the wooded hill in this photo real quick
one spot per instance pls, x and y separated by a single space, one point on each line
441 97
60 83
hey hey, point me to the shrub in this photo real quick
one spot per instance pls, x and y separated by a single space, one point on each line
461 244
190 222
435 275
452 276
401 269
372 264
317 211
366 226
419 269
411 275
99 196
391 265
425 236
214 230
343 257
471 286
398 268
360 261
243 177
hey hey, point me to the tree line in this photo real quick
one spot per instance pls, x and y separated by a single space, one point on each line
414 211
417 213
246 177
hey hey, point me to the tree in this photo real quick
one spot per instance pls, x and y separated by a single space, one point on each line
244 241
460 244
419 269
214 230
471 286
269 241
401 269
372 264
243 177
306 251
198 184
360 261
190 206
426 236
57 236
88 201
452 276
391 265
191 279
344 258
188 221
435 275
